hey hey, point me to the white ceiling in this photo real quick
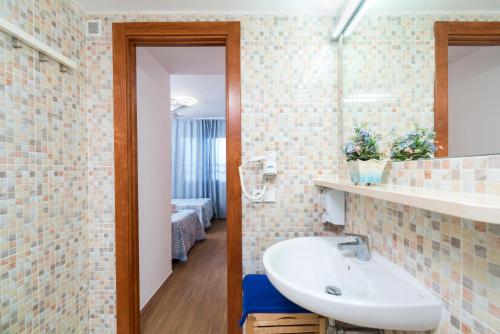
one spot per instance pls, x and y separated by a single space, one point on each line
198 72
209 90
415 6
320 7
192 59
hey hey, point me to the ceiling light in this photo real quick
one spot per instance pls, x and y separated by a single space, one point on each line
182 101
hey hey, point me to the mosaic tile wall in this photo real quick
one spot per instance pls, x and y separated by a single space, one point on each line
458 259
288 105
480 174
389 83
43 174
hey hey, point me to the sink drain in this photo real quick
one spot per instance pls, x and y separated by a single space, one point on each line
333 290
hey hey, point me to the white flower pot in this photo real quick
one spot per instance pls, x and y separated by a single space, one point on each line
366 172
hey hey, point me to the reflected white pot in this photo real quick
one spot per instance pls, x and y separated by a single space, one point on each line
366 172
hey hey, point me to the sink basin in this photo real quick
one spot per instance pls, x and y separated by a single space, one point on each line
375 293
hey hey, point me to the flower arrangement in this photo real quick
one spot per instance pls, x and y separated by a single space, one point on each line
364 145
364 158
415 145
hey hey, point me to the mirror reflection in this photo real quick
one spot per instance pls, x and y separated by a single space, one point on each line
473 100
397 76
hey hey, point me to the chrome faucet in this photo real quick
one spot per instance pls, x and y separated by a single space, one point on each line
360 245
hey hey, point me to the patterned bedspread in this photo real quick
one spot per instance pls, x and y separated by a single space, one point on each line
186 230
203 207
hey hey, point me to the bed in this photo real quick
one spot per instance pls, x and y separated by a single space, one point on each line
202 206
186 231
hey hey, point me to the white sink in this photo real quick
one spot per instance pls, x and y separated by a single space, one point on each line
375 293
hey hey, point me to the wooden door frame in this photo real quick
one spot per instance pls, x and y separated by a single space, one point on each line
126 37
454 33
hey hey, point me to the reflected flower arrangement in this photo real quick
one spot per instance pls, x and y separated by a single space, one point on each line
420 143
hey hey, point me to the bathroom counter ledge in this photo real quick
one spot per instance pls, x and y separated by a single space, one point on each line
478 207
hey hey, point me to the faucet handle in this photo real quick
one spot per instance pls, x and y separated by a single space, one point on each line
361 238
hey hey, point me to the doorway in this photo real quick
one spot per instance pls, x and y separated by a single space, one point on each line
126 38
181 120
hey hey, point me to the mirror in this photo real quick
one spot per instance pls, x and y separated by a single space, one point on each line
399 70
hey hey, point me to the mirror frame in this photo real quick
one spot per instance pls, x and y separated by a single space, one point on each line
454 33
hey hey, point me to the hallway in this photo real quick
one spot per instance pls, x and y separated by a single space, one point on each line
194 300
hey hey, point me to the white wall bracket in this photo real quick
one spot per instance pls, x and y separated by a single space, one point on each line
19 36
269 196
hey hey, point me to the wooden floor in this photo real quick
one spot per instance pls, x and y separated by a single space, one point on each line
194 300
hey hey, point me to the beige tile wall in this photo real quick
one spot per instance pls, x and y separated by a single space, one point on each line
43 174
457 259
288 105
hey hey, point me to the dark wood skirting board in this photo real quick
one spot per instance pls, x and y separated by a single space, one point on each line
454 33
126 37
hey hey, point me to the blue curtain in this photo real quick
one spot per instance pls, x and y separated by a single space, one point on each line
199 161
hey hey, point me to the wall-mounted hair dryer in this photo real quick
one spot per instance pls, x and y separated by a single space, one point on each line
270 171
